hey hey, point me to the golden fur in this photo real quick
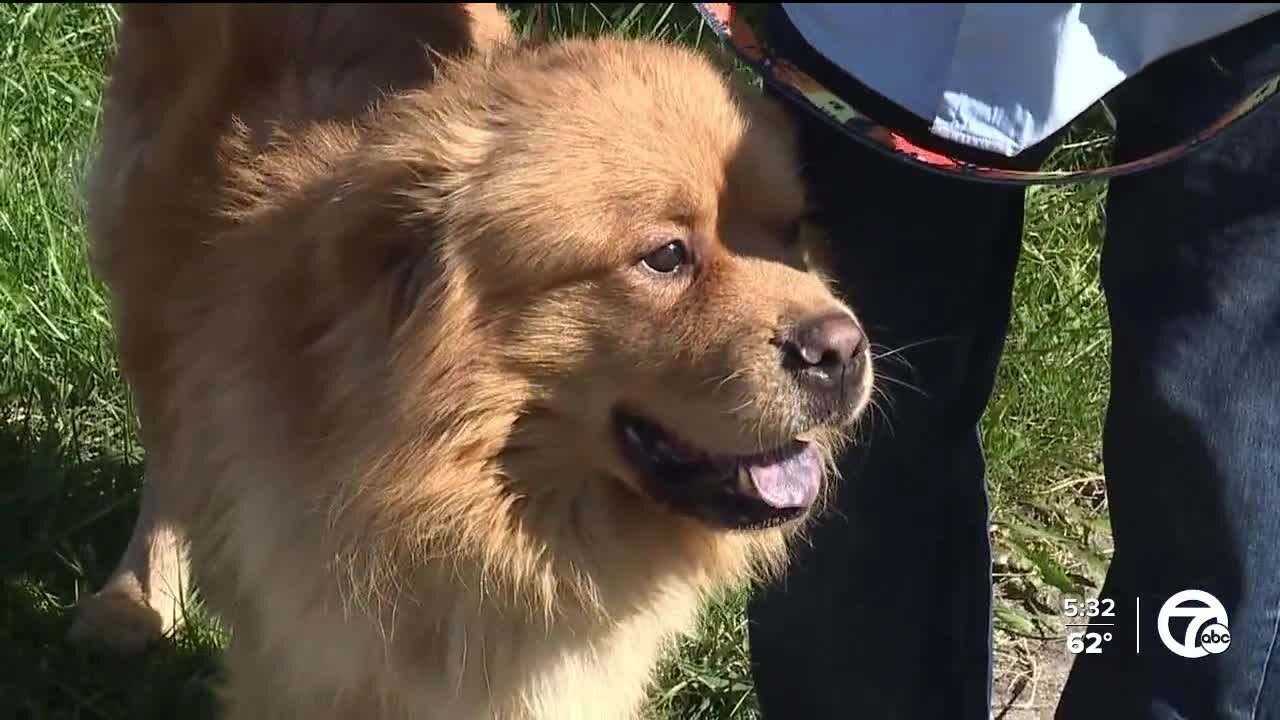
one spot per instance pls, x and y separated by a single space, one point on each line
376 306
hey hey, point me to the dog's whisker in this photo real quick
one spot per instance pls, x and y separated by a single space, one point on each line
878 411
765 411
924 341
878 393
903 383
746 403
902 348
720 382
897 360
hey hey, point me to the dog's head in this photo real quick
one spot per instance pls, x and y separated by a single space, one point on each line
604 298
636 235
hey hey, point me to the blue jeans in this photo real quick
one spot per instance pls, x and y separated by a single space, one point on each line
887 612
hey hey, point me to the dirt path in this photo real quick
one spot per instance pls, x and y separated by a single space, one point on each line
1029 678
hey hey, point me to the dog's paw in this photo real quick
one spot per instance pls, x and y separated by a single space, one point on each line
121 619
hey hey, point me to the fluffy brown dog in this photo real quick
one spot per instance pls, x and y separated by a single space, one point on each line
467 380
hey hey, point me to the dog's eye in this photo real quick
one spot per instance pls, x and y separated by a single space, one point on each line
668 258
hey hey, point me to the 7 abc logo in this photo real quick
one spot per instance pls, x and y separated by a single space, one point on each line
1207 632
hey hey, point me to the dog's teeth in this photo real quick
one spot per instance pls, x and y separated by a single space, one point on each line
744 480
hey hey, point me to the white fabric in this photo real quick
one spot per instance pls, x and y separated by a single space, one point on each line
1003 76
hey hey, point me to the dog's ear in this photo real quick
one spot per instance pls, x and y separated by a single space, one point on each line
359 247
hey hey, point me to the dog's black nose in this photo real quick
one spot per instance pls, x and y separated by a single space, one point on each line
825 352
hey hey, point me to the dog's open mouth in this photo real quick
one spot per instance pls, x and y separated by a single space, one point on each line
735 492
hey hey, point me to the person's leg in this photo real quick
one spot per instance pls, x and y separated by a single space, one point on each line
1191 270
886 612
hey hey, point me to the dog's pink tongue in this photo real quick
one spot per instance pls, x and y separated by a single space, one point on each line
788 483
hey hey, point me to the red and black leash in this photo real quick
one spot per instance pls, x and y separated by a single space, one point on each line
784 77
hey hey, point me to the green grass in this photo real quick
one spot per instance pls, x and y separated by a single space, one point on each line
70 466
